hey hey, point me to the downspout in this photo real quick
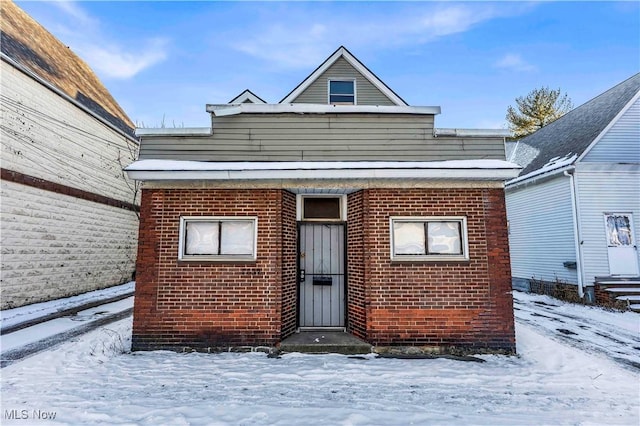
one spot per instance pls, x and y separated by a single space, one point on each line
576 229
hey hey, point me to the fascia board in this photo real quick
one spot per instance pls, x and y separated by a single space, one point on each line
332 174
220 111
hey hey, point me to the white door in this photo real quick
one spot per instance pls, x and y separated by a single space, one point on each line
621 244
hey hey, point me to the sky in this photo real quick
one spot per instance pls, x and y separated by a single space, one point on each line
163 61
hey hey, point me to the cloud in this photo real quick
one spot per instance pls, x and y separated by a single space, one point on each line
115 62
109 59
318 30
514 62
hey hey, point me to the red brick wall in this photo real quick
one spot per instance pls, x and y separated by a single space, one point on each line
447 304
356 310
289 264
209 304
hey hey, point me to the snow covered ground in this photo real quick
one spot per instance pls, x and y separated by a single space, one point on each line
93 380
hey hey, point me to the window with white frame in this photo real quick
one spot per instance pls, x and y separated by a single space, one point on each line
429 238
342 92
212 238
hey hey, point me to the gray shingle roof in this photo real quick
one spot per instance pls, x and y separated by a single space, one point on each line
574 132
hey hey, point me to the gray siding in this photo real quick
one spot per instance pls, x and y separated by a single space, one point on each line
541 233
366 93
321 137
621 143
599 192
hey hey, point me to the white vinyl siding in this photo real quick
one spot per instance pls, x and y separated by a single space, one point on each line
621 143
600 192
541 231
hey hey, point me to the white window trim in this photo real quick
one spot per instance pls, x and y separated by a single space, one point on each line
355 90
431 257
216 258
300 207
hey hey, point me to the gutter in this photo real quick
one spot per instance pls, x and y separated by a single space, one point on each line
62 94
576 228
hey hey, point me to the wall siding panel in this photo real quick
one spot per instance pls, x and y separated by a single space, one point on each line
600 192
366 93
621 143
541 233
317 137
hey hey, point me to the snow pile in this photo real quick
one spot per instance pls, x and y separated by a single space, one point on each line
11 317
95 381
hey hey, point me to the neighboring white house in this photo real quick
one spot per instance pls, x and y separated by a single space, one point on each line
68 214
574 211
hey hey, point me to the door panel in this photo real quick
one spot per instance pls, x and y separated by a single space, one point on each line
322 290
621 244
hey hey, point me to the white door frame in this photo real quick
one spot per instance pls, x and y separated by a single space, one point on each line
622 245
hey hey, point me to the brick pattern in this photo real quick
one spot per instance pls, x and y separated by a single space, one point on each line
356 309
55 245
208 304
446 304
289 265
461 305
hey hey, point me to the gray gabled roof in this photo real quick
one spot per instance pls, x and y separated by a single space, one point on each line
574 132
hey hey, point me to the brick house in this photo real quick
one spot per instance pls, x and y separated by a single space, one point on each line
338 208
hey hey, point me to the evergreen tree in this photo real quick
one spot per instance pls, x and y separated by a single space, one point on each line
534 111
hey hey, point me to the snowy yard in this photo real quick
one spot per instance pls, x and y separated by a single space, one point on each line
552 381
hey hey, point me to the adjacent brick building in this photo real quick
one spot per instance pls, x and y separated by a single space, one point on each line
337 208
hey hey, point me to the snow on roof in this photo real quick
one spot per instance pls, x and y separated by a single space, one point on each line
556 165
310 170
247 108
177 165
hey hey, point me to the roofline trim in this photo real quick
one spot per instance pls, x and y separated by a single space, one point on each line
497 170
503 133
225 110
359 66
62 94
247 94
178 131
558 167
609 126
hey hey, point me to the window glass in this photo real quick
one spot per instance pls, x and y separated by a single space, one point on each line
341 92
236 237
444 238
215 238
409 238
321 208
202 238
428 238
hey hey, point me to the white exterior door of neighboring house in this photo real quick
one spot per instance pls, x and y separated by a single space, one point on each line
621 244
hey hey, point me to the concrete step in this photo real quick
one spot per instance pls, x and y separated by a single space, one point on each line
635 307
618 281
319 341
629 297
623 290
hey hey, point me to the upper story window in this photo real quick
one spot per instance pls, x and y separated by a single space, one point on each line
342 92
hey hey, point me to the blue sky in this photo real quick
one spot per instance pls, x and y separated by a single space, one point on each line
169 59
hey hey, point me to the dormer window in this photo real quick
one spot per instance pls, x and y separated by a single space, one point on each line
342 92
